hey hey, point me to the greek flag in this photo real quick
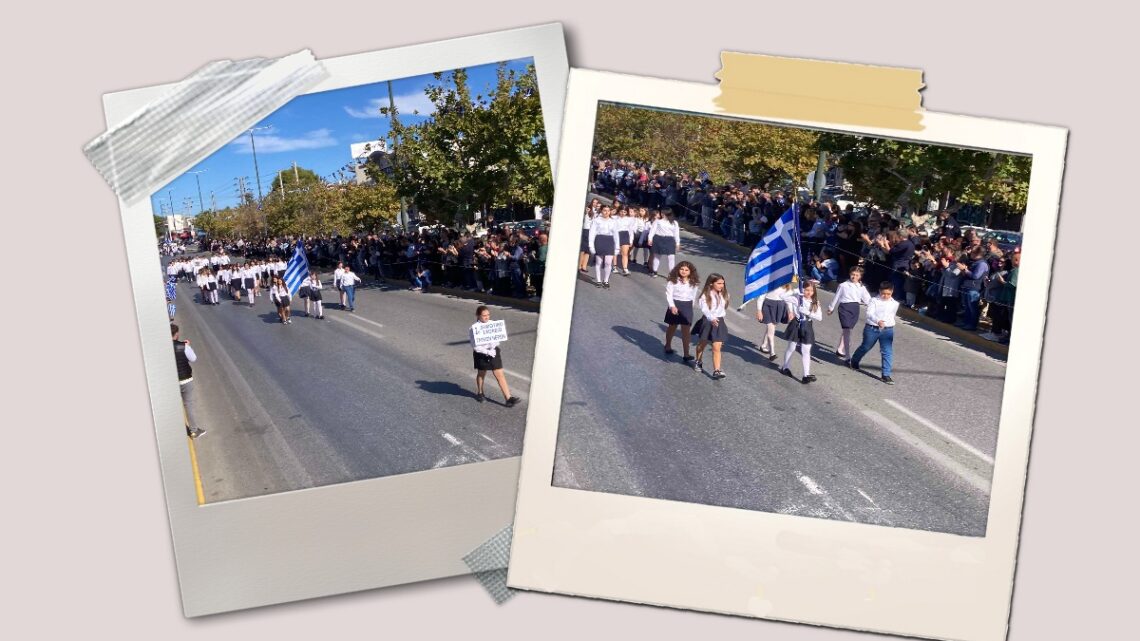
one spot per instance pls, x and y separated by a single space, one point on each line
776 258
297 270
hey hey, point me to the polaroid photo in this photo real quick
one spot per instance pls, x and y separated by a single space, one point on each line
849 447
328 418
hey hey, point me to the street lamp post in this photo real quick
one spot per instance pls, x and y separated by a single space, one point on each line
257 176
198 181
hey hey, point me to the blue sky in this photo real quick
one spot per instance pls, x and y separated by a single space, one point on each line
315 131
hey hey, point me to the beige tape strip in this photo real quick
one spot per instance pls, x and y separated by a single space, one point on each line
820 90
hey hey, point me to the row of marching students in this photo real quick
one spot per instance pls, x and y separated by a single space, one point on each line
251 278
615 235
800 310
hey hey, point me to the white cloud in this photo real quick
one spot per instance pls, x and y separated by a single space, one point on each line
405 103
270 144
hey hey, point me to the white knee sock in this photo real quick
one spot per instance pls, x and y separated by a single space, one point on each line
656 263
770 337
672 262
608 269
805 349
598 260
320 308
845 343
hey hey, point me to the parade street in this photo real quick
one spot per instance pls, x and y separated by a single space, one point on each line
918 454
387 389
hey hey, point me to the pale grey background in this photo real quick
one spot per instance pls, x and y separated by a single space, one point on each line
85 540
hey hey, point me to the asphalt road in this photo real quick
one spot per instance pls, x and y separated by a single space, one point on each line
918 454
387 389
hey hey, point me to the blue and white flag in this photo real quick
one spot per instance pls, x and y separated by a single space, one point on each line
776 258
297 270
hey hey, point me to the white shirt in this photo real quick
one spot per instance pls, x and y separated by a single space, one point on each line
626 223
337 275
603 227
314 283
882 310
486 348
716 310
801 305
776 294
680 291
349 279
663 227
278 293
850 292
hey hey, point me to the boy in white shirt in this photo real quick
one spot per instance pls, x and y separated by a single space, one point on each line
880 329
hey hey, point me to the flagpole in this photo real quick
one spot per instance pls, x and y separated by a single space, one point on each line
796 228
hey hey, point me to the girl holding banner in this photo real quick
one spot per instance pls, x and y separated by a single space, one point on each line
488 357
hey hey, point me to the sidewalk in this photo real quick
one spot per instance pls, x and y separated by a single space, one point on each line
957 333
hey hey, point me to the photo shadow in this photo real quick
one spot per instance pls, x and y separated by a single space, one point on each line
447 388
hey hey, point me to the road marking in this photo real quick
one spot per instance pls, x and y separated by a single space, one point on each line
356 327
811 485
197 474
467 449
869 499
451 439
941 432
966 474
361 318
491 440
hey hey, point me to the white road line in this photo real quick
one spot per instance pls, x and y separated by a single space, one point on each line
467 449
489 439
954 466
811 485
451 439
941 432
361 318
864 495
355 326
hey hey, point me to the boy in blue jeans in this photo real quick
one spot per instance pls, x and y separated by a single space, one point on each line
880 329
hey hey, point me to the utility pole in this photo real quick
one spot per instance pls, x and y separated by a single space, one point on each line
296 176
820 176
403 220
281 184
256 172
199 182
213 202
170 197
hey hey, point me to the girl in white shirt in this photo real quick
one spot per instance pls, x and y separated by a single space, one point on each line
848 297
249 282
712 328
211 287
665 239
313 296
771 310
625 237
202 287
488 358
639 233
279 294
680 291
592 210
803 308
603 245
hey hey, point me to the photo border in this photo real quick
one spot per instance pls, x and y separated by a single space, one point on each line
760 564
339 538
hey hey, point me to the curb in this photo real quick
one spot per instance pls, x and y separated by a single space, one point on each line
956 333
523 304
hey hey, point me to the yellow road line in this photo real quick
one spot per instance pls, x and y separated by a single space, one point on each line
194 464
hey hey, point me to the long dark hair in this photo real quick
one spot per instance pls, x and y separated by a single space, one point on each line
675 273
707 292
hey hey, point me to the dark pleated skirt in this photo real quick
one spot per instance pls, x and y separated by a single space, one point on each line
774 311
585 240
705 331
684 315
797 332
487 363
623 238
664 245
848 315
604 245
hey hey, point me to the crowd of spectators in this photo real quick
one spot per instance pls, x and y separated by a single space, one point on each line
937 267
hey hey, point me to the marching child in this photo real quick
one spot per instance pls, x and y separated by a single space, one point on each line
279 294
313 300
680 291
338 275
712 328
880 328
803 308
848 297
211 287
665 240
488 358
772 309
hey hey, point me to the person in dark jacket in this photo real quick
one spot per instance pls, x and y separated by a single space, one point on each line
183 356
973 279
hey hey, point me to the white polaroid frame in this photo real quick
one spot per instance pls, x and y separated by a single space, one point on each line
759 564
339 538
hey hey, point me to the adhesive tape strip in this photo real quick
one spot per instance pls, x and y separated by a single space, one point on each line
820 90
196 117
488 563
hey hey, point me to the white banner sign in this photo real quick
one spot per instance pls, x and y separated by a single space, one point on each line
489 332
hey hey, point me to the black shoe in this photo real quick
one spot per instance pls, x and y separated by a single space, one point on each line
853 365
512 401
698 366
669 352
772 356
888 380
810 378
688 359
598 284
480 397
717 374
606 285
786 372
